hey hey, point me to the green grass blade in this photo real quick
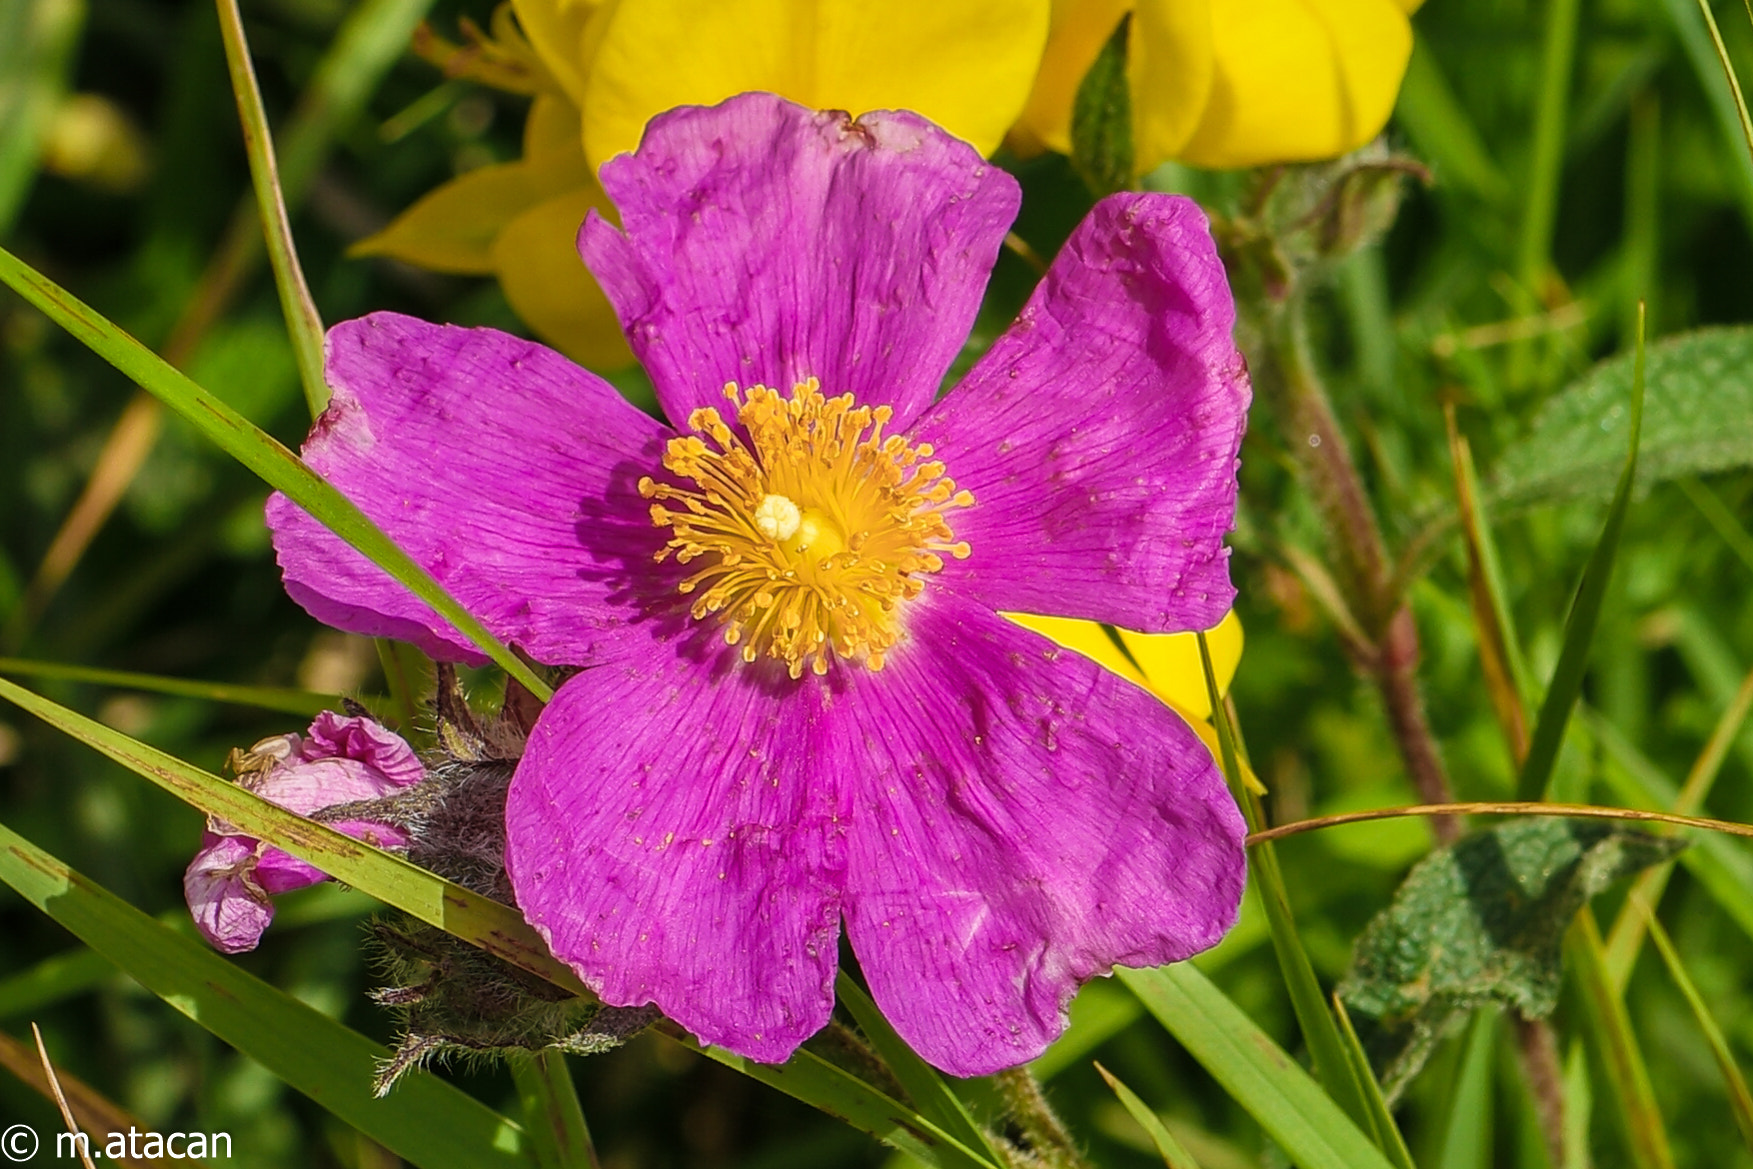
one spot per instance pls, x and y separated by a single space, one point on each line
1381 1117
1311 1129
1468 1129
923 1083
249 445
1728 67
426 1121
496 928
1717 514
808 1077
1610 1028
304 703
1333 1068
553 1118
303 325
1174 1156
1740 1099
1585 614
1540 210
1696 41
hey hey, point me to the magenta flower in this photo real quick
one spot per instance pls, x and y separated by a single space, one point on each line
799 705
338 761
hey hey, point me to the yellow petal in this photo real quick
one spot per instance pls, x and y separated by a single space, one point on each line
452 228
536 257
1079 29
1299 79
1172 671
1086 637
966 64
1171 61
553 147
557 31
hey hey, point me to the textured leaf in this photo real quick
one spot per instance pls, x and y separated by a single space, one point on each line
1480 921
1101 119
1698 418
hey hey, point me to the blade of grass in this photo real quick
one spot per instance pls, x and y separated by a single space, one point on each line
1724 871
1467 1129
1740 1099
1696 41
303 325
1625 940
258 451
558 1134
1443 131
426 1121
496 928
808 1077
1311 1129
923 1083
1174 1156
1585 614
55 979
1484 593
305 703
1381 1117
1552 102
1728 68
1333 1068
1614 1040
37 41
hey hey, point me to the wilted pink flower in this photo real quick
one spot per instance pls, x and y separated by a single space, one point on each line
340 760
798 704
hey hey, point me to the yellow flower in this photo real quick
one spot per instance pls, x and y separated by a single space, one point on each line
1166 664
1229 83
599 69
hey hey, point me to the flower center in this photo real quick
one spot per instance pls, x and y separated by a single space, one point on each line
810 536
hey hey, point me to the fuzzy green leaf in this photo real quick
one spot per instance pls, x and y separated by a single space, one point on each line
1101 119
1481 921
1698 418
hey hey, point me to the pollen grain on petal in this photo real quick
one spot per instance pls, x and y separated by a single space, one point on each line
811 534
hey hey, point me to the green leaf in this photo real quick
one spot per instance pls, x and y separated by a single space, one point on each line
304 703
1258 1074
496 928
1101 119
558 1134
1174 1156
923 1083
1585 613
1381 1117
255 449
1698 418
1468 1129
1481 921
427 1121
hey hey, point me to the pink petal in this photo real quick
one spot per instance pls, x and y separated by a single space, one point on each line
508 472
766 243
229 909
669 835
1023 821
1100 435
368 741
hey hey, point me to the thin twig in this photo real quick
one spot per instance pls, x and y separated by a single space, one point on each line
60 1097
1503 808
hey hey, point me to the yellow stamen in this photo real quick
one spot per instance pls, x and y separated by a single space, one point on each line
811 536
